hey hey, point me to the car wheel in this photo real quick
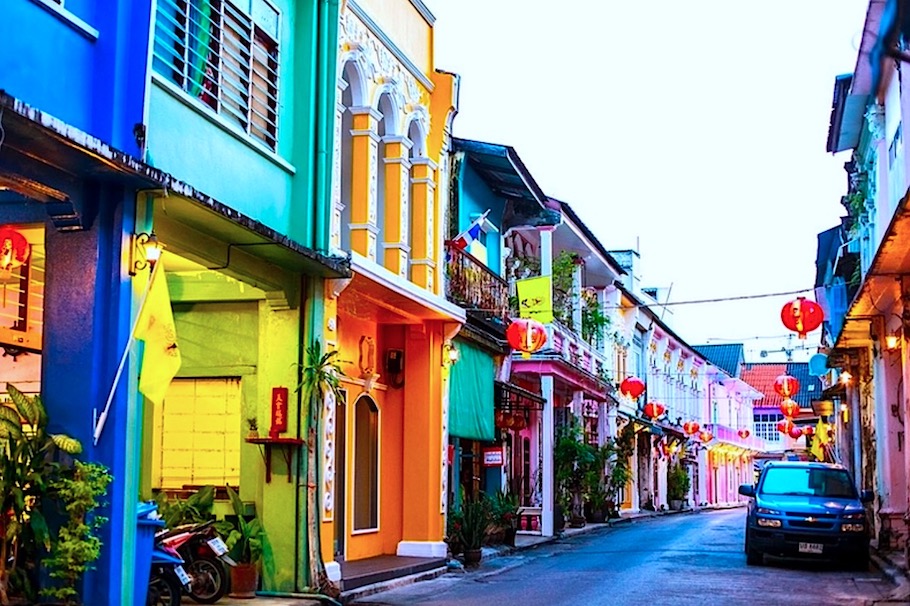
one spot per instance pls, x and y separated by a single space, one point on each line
753 556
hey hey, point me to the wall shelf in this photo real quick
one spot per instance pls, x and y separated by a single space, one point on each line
287 447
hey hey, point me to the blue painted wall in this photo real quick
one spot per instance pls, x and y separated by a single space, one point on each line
94 83
475 197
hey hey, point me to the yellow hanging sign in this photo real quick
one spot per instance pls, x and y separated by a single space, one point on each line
535 299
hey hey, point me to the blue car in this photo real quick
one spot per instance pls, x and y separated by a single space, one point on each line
804 509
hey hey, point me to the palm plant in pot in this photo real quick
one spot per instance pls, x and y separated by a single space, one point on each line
678 484
245 544
475 524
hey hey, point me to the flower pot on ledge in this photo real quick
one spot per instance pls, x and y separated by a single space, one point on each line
244 581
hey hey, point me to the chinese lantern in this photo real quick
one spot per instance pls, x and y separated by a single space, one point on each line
795 432
808 430
654 409
691 427
784 426
789 408
705 436
527 336
14 249
744 433
802 316
498 419
786 385
632 387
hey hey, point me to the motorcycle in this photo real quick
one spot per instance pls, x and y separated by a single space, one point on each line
205 560
167 578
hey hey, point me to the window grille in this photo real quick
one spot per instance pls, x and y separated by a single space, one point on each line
225 58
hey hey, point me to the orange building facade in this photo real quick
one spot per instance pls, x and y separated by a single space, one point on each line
384 457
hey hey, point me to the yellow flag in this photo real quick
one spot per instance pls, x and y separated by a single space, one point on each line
819 440
535 299
155 326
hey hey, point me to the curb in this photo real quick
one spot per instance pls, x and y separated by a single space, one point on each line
367 590
894 574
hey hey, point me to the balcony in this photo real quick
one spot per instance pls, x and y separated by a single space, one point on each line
473 286
730 436
577 352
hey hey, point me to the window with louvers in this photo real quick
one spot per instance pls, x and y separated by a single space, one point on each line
225 57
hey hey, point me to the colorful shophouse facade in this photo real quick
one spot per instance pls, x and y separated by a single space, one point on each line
493 442
385 489
218 179
865 329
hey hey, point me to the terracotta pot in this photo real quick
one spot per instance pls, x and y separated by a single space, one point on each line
472 556
244 581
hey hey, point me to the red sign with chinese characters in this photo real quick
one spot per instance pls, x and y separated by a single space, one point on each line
492 457
279 411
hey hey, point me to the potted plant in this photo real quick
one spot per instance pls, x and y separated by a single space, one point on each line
677 485
573 459
27 466
77 545
504 514
475 523
252 424
244 542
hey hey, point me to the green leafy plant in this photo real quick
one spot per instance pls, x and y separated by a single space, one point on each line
678 482
195 509
563 276
504 509
475 522
246 539
573 460
594 324
320 377
26 467
79 490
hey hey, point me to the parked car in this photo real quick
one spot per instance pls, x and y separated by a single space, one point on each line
806 509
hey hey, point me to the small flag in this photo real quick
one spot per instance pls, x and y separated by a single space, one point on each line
819 440
535 299
155 326
464 239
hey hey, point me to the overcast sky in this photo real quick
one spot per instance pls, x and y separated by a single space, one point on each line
694 131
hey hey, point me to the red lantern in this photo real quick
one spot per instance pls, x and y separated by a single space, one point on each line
691 427
808 430
802 316
795 432
654 409
499 419
784 426
786 385
632 387
705 436
14 249
527 336
744 433
789 408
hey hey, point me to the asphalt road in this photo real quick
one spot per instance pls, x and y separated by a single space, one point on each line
684 560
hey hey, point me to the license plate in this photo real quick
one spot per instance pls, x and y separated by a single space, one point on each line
217 546
182 575
810 547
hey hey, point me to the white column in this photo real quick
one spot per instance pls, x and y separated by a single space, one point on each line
546 252
576 298
547 491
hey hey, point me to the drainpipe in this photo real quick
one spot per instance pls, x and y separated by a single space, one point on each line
327 15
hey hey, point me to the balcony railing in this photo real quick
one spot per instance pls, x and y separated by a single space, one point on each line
577 351
473 286
731 436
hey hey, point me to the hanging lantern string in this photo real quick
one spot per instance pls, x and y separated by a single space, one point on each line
692 302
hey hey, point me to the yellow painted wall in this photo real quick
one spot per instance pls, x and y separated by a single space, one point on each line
405 27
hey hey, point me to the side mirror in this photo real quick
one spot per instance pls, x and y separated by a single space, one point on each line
866 496
747 490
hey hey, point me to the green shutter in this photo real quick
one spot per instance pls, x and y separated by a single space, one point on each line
471 394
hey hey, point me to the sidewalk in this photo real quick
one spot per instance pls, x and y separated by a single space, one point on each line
893 565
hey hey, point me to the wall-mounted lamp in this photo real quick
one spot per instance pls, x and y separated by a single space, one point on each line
891 341
845 377
449 353
144 252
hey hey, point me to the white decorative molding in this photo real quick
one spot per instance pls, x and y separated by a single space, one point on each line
328 457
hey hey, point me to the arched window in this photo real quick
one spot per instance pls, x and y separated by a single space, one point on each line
350 84
366 464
